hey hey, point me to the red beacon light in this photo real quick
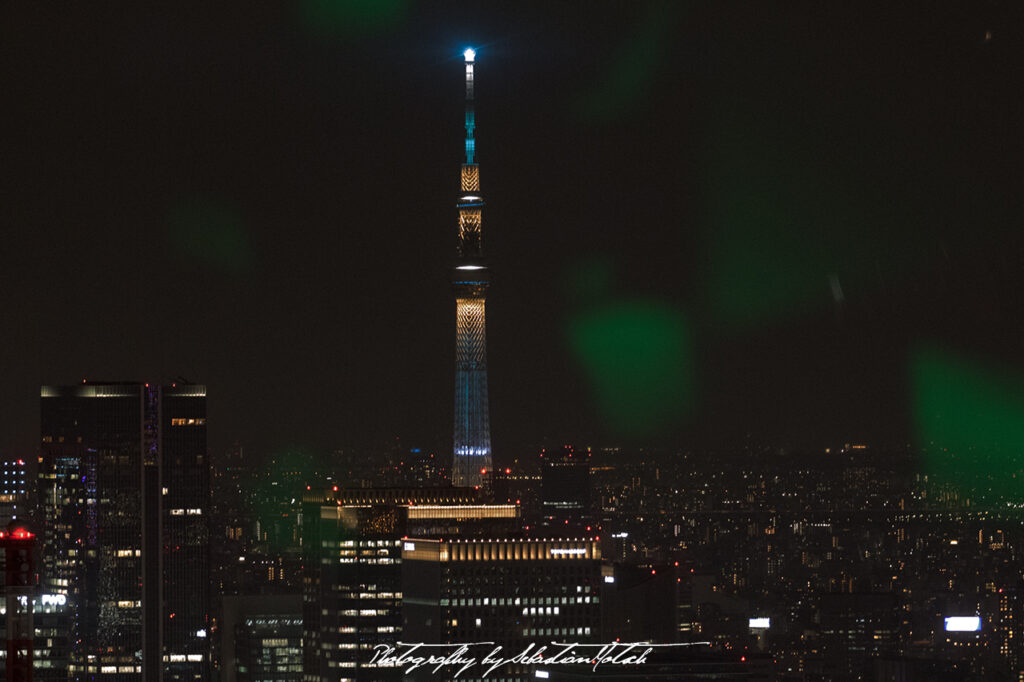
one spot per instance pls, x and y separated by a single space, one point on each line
21 534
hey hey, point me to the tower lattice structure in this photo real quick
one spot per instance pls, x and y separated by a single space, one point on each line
470 279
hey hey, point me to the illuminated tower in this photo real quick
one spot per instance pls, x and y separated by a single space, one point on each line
470 280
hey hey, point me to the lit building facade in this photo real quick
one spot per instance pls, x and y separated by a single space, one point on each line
50 642
513 591
124 497
470 279
352 593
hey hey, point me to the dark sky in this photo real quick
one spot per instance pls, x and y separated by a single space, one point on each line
704 220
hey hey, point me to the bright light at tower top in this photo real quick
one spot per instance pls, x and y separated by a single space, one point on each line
469 54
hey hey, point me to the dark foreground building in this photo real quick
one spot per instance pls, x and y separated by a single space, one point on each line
123 486
352 587
512 591
262 638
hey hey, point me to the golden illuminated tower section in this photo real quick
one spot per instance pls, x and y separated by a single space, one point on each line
472 442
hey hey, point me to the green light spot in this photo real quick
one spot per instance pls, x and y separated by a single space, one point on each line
765 263
969 421
637 357
347 18
631 76
210 232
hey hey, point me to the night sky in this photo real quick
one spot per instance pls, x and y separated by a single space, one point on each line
705 221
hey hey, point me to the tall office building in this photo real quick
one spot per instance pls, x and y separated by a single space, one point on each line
352 544
472 442
124 494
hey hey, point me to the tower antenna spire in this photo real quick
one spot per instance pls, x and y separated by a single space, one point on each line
470 279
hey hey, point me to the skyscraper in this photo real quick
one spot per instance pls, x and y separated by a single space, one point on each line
472 442
124 494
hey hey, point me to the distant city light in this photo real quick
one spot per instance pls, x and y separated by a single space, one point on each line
609 578
470 267
963 624
470 55
760 623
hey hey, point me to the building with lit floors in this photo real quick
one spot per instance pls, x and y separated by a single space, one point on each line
124 493
352 586
513 591
14 497
262 638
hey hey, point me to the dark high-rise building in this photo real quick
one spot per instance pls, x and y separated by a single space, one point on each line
233 525
642 603
352 544
124 492
262 638
470 280
565 486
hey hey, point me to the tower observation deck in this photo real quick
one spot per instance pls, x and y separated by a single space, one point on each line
470 279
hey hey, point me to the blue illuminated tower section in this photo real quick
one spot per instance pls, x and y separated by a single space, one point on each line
470 279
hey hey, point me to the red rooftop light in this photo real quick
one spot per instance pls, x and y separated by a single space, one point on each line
21 534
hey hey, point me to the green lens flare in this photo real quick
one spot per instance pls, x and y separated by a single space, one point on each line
637 356
632 74
969 422
351 18
211 232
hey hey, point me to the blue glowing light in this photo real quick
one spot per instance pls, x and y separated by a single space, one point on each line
469 54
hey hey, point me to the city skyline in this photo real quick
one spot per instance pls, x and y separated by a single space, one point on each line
751 372
782 217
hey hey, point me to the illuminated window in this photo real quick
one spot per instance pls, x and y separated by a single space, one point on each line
189 421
